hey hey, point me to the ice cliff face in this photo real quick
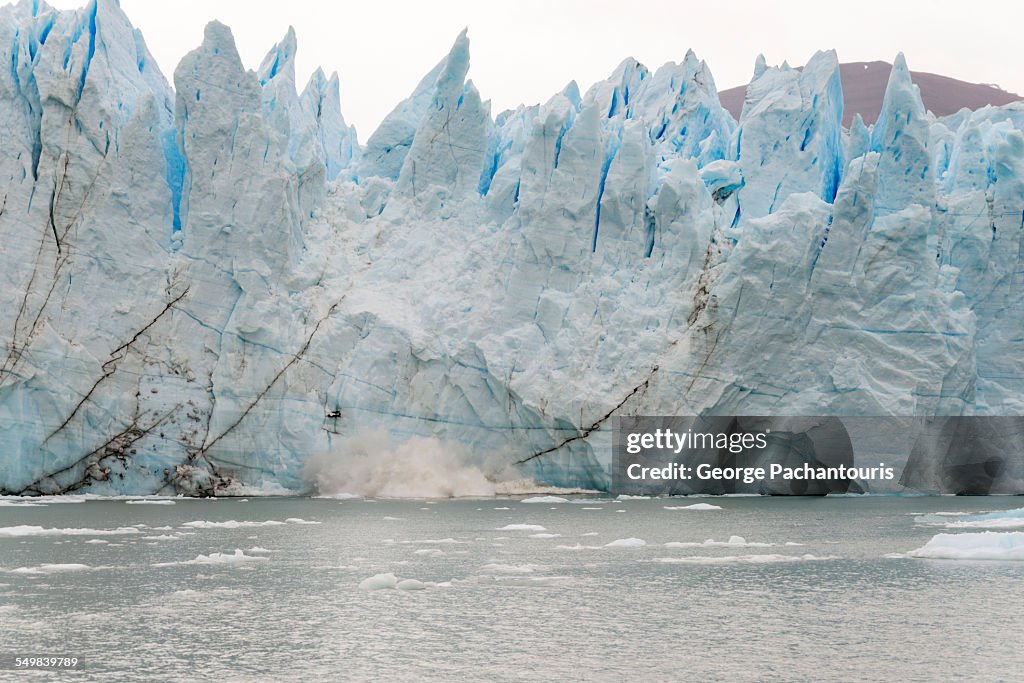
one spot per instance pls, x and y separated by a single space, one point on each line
202 286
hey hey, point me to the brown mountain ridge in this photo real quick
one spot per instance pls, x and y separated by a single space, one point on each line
864 87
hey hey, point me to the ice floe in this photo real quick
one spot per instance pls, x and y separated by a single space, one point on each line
986 545
389 581
626 543
695 506
733 542
741 559
20 531
1005 519
51 569
229 524
229 559
234 524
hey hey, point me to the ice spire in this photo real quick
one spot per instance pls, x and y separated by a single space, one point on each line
901 136
388 146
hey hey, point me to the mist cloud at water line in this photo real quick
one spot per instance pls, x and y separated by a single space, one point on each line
371 465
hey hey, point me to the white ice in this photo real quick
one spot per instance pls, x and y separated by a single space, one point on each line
987 545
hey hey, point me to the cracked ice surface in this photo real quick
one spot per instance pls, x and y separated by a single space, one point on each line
203 286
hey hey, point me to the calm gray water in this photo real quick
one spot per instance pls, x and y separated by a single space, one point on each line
512 606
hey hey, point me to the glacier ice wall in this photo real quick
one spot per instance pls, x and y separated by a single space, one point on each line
204 285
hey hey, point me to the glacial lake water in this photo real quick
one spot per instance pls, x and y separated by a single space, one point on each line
158 592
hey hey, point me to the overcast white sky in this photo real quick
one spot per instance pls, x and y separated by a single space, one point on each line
523 51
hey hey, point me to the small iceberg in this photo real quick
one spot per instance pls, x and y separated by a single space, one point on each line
545 499
987 545
695 506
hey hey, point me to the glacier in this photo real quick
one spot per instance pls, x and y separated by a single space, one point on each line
204 285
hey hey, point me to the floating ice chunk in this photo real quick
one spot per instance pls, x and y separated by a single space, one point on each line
297 520
340 496
229 559
230 524
46 500
938 518
545 535
162 537
1006 519
433 541
258 550
623 496
987 545
379 582
591 533
994 523
578 546
741 559
51 569
626 543
149 501
522 527
733 542
97 541
16 504
695 506
410 585
20 531
545 499
432 552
